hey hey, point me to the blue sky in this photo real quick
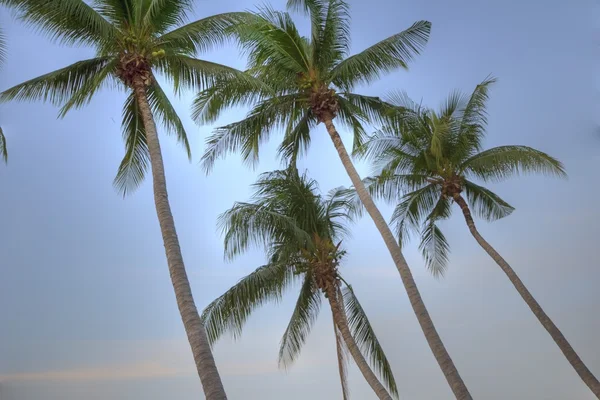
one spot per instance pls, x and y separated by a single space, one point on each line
85 299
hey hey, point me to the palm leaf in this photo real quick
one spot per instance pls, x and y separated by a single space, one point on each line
389 54
134 165
486 204
230 311
163 109
59 86
248 134
204 34
435 248
367 341
303 318
334 41
3 149
161 15
247 224
499 163
413 208
68 21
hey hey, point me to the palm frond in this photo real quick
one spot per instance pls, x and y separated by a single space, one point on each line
163 109
499 163
352 117
204 34
2 48
274 38
435 248
247 224
389 54
237 90
230 311
486 204
3 149
334 41
160 15
135 163
316 10
59 86
304 316
296 140
391 187
90 87
413 208
248 134
367 341
68 21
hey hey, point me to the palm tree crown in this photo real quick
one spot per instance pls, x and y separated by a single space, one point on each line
131 38
305 79
427 158
298 229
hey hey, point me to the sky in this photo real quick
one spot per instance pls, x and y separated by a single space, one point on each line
86 305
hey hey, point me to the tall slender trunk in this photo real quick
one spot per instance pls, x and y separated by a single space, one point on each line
340 321
433 338
341 362
586 375
205 363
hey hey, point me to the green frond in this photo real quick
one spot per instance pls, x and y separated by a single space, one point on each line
274 38
161 15
163 109
247 224
118 12
316 10
67 21
352 118
204 34
296 140
367 341
230 311
60 86
90 87
135 163
342 356
486 204
412 209
192 73
502 162
334 41
237 90
391 187
341 204
247 135
435 248
3 149
303 318
389 54
2 48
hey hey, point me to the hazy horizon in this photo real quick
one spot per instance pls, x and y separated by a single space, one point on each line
86 302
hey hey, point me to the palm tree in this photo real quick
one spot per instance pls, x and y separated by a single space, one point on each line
135 40
428 161
3 150
298 228
311 81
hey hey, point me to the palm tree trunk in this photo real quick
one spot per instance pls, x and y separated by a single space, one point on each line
433 338
341 362
205 363
586 375
340 321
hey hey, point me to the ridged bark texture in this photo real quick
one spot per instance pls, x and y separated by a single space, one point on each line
339 319
433 338
205 363
582 370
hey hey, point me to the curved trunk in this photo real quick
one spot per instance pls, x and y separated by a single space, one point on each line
433 338
205 363
586 375
340 321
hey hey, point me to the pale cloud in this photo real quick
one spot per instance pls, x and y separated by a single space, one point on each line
145 370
